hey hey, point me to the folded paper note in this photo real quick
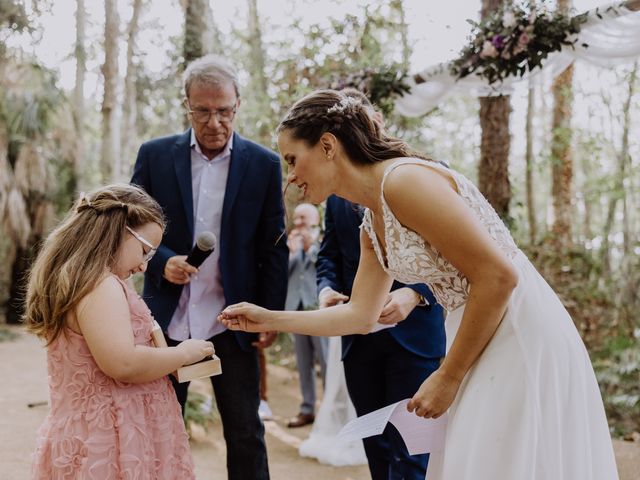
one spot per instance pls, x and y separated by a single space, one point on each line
420 435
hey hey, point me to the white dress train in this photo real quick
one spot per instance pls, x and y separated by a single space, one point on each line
335 411
530 407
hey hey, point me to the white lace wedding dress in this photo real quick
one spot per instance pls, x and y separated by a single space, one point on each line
530 407
335 411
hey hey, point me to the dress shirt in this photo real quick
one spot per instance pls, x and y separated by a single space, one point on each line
202 299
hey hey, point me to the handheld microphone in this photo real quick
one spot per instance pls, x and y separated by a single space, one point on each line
205 244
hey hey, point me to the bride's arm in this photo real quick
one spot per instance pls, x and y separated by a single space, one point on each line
359 315
449 225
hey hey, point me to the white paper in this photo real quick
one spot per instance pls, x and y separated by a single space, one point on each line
420 435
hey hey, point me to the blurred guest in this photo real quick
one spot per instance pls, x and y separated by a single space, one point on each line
301 295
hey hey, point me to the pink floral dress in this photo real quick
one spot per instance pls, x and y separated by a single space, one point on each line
100 428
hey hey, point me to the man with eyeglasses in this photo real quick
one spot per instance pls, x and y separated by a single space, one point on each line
209 178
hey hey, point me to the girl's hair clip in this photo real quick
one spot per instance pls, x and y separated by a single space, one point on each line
83 202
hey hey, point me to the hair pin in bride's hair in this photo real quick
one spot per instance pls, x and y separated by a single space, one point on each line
343 104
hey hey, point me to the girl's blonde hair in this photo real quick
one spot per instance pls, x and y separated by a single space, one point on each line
78 252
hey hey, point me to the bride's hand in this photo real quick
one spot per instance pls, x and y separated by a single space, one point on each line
435 395
245 316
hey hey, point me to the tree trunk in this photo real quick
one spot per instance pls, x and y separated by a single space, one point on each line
211 36
77 180
32 209
624 160
109 160
259 81
195 28
531 208
561 153
129 131
194 32
493 170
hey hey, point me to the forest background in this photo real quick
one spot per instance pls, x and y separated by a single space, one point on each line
83 83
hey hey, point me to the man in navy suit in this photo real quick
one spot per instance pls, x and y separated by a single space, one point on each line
389 365
212 179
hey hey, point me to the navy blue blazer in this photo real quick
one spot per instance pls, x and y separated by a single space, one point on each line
253 254
422 332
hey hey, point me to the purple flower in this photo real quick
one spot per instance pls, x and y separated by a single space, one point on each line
498 41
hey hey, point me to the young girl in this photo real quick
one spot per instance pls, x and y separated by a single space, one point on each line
113 411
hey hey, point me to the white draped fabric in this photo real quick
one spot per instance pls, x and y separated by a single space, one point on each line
336 410
612 40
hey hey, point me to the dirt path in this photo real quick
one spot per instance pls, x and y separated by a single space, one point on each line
23 380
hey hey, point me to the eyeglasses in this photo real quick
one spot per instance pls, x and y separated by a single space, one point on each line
152 250
222 114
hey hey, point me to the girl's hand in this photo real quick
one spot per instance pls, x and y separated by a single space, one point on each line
195 350
435 395
245 316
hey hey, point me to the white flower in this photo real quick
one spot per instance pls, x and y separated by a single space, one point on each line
509 19
488 50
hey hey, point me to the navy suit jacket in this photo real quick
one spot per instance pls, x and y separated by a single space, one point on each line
253 251
422 332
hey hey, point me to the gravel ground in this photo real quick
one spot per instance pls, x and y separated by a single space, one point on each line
24 381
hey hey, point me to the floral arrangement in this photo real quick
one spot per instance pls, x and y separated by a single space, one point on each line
381 85
516 39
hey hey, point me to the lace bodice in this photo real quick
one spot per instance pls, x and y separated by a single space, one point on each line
410 259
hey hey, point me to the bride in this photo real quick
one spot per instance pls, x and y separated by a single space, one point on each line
517 382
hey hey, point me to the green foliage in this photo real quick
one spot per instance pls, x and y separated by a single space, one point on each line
31 105
516 39
13 16
199 410
382 86
356 50
159 97
576 276
617 367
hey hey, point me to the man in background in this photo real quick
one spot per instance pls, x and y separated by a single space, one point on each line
301 295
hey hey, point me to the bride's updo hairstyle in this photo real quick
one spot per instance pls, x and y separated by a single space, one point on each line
349 120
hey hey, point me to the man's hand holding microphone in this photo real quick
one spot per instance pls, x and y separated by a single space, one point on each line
179 267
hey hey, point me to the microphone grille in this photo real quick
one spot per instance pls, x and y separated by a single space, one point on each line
206 241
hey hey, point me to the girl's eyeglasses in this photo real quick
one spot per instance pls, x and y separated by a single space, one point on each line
152 250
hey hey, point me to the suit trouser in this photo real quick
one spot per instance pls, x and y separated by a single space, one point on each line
379 371
237 393
308 348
